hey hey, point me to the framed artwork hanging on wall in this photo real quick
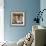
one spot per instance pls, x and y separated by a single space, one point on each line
18 18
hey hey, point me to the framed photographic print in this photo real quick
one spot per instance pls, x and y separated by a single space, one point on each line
18 18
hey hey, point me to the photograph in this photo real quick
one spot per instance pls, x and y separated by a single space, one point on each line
17 18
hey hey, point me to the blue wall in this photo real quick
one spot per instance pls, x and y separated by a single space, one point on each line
13 33
43 6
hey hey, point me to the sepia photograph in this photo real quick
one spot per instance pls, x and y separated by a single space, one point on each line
17 18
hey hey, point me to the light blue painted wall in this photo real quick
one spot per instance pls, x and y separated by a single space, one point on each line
13 33
43 6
